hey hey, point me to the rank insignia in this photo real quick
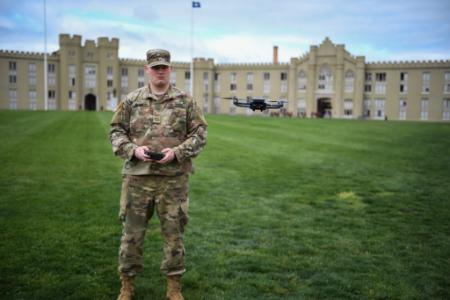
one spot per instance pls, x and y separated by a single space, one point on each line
156 119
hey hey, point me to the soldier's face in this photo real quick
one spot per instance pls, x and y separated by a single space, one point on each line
159 75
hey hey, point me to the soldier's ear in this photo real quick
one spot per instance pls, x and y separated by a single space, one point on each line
146 69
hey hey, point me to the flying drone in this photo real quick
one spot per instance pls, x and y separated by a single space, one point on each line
256 103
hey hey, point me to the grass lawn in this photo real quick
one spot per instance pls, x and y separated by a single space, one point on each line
280 209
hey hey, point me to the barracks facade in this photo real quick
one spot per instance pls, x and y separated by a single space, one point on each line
326 82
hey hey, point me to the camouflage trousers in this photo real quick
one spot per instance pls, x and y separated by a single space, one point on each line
141 195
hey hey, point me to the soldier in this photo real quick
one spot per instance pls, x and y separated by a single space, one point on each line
156 118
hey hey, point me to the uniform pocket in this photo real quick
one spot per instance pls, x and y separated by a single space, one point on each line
123 197
184 212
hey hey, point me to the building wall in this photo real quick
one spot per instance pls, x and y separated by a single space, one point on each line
93 76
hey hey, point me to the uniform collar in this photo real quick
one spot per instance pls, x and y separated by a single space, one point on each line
171 93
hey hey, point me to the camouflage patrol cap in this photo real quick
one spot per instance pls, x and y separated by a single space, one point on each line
156 57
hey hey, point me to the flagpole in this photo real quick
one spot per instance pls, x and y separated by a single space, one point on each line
45 58
192 52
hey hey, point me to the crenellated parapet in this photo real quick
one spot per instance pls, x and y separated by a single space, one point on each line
27 55
409 64
203 63
105 42
246 66
179 64
68 40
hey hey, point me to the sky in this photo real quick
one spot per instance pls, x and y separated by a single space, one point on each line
236 30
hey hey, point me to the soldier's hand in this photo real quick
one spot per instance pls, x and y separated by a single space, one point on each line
169 156
139 152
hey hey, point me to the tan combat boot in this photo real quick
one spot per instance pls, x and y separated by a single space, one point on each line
127 289
174 288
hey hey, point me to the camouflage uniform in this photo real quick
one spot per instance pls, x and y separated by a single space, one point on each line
172 121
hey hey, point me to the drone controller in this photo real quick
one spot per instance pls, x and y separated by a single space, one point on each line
154 155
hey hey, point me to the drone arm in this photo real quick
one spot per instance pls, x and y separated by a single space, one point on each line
240 104
273 106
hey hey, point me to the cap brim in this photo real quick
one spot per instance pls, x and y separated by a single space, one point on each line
159 63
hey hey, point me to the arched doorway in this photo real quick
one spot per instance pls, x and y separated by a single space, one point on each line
90 102
324 108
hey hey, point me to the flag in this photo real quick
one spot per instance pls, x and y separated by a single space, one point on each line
195 4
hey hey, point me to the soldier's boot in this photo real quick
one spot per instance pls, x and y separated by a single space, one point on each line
174 288
127 289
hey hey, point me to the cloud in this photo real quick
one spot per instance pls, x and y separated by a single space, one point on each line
237 31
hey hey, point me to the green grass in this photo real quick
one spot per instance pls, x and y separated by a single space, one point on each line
280 209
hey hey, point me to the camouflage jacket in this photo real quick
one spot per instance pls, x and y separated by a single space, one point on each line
174 121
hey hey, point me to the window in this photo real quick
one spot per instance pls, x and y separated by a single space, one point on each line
402 109
72 101
187 81
51 74
12 72
447 83
301 81
12 66
141 79
349 81
379 109
367 106
424 109
72 53
109 55
301 108
283 77
51 68
380 83
51 99
233 81
72 75
32 74
216 83
205 82
325 79
348 108
426 77
32 97
368 83
12 79
12 99
51 94
173 78
89 76
124 78
249 81
446 109
109 76
205 103
266 84
90 55
403 82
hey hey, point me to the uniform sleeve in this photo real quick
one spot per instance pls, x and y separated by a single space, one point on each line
196 134
119 132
